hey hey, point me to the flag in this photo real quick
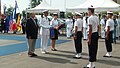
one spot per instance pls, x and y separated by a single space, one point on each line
10 23
18 23
14 12
4 7
14 25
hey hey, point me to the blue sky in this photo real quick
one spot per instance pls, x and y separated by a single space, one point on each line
22 4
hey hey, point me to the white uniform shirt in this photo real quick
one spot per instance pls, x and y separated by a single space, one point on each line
54 23
102 22
94 21
69 23
44 25
79 24
110 23
84 22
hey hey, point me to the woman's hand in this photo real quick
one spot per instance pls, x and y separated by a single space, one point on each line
56 27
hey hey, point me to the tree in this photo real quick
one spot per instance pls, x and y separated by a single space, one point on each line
9 11
34 3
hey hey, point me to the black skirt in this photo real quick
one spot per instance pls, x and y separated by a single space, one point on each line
55 37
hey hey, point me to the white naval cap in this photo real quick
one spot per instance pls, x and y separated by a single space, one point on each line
55 13
109 12
77 13
91 7
45 11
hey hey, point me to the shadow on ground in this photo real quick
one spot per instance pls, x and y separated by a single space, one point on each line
55 60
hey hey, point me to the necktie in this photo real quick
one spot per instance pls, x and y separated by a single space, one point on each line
35 22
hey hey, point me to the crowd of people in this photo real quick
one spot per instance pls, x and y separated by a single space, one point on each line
91 27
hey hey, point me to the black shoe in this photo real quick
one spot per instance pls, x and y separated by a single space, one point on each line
32 55
53 49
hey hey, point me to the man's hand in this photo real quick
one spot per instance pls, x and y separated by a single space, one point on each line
89 41
107 37
29 37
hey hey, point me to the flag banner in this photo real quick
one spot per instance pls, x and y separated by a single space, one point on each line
18 23
14 12
10 23
14 23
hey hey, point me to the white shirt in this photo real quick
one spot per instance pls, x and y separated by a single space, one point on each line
102 22
84 22
44 25
110 23
69 23
54 23
79 24
94 21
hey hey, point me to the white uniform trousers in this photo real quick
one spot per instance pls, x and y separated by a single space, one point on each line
44 42
85 35
69 32
103 34
31 45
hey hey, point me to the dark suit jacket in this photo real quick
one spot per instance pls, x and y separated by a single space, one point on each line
31 29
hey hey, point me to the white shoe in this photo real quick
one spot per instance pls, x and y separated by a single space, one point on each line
108 55
78 56
91 65
43 52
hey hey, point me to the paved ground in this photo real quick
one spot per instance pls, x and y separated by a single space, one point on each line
61 58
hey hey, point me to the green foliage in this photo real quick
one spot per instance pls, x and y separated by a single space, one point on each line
68 14
9 11
34 3
24 13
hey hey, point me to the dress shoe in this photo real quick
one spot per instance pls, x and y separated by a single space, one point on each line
32 55
53 49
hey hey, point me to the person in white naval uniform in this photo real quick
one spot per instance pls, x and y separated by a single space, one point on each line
69 23
78 34
44 31
85 36
93 35
103 23
109 33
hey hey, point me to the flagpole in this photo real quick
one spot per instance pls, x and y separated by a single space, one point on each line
65 5
0 11
30 4
50 2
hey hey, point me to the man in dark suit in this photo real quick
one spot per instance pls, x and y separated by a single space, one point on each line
31 34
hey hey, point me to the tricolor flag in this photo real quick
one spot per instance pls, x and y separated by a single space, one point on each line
18 23
15 9
14 28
